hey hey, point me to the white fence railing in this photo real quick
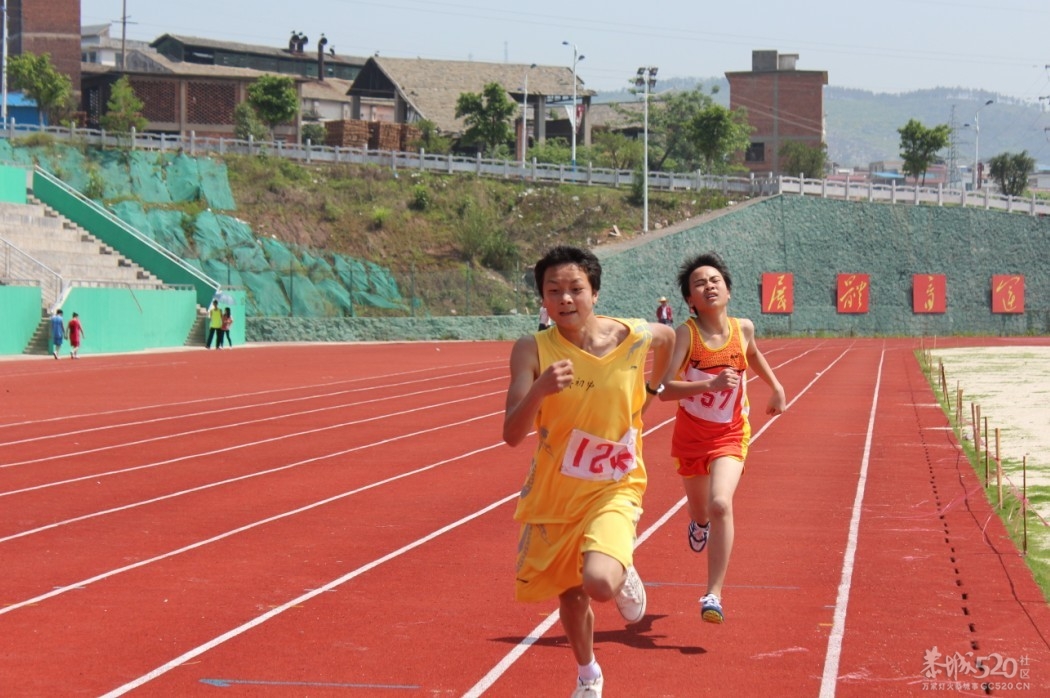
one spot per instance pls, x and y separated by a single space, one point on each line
543 172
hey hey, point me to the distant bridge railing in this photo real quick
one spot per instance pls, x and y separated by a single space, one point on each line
533 171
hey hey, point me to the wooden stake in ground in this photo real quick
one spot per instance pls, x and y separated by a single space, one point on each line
1024 504
998 469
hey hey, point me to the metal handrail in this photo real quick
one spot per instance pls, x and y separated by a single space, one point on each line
20 266
144 239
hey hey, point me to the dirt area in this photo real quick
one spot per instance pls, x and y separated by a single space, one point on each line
1012 387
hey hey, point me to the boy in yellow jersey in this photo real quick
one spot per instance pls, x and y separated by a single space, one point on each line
711 434
581 385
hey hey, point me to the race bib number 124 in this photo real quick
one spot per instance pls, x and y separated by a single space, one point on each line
591 457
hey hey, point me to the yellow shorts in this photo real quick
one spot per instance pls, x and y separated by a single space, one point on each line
550 556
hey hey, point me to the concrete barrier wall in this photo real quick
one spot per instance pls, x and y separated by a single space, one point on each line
121 320
20 315
817 239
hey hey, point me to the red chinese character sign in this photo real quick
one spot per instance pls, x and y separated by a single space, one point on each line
778 293
929 293
1008 293
854 293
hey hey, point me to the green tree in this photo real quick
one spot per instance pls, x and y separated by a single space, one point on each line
555 151
797 158
430 139
40 81
274 100
247 125
487 117
919 146
670 133
124 109
1011 171
617 151
313 132
718 134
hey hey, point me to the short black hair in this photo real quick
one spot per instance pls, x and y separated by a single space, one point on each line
707 259
564 254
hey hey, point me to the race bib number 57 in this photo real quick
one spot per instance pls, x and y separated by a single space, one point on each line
591 457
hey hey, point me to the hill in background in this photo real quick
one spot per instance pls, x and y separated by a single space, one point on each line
861 126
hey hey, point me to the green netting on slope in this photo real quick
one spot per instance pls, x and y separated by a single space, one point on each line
70 166
264 295
207 236
226 274
215 187
182 178
336 294
381 282
147 177
281 258
115 175
316 267
8 152
351 272
165 227
168 230
307 301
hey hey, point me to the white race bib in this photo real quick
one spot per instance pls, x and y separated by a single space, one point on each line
590 457
714 407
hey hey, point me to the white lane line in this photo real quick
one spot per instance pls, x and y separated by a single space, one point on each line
259 620
518 651
210 485
226 398
237 446
211 413
232 425
838 628
255 524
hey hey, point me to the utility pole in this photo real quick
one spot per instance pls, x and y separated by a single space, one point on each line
953 154
3 80
123 34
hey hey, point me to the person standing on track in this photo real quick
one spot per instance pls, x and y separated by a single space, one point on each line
214 326
58 332
76 333
581 385
711 433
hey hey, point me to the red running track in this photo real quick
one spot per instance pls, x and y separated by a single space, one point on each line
336 520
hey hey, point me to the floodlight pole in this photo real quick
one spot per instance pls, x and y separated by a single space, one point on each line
525 118
3 80
977 145
576 58
646 79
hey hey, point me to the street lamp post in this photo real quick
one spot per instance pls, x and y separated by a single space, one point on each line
977 146
525 118
576 58
646 79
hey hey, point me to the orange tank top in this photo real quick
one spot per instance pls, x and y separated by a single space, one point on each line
708 416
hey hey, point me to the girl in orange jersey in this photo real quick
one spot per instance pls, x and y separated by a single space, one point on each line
711 435
581 385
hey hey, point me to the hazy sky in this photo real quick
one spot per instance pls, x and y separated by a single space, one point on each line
883 46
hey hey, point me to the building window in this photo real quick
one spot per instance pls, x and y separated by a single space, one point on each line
756 153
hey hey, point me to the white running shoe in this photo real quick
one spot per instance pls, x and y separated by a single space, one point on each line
631 599
588 689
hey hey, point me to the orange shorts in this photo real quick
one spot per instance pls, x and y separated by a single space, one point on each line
732 445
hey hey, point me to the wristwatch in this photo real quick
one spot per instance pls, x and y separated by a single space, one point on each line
654 391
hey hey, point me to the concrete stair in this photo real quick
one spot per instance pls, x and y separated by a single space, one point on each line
72 252
40 342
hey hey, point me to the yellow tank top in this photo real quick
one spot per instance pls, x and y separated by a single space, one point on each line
589 433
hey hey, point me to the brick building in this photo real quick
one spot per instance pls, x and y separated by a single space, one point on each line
178 97
47 26
783 105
